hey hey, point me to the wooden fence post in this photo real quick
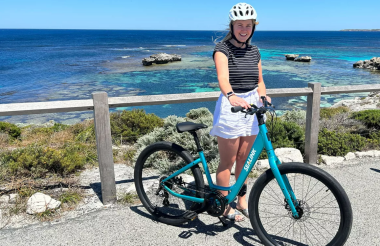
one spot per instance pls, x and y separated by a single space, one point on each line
312 123
104 146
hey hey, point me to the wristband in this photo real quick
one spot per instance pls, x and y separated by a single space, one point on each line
229 94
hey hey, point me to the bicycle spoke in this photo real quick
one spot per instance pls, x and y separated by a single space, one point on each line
319 229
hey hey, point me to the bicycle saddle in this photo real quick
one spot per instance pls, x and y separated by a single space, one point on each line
189 126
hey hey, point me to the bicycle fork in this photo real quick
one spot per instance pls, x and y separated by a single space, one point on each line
284 184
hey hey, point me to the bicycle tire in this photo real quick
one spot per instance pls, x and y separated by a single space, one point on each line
294 171
169 213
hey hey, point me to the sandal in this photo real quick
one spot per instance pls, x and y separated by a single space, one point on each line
233 216
243 211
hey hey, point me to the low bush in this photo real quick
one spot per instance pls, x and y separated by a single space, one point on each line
295 116
370 118
339 144
128 126
169 133
11 129
36 161
329 112
285 135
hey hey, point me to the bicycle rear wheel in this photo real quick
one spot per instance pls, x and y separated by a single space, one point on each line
157 162
326 214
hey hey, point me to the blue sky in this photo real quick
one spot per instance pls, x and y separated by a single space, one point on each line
187 15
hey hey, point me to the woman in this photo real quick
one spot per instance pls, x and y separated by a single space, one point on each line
238 67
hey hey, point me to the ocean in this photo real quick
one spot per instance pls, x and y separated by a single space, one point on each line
50 65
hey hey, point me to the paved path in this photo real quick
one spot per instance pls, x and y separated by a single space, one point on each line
133 226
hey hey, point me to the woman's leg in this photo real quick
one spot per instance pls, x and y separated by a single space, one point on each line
245 146
228 148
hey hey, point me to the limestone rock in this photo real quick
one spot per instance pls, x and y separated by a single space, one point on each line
39 203
303 59
349 156
373 64
262 165
329 160
376 153
289 155
131 189
187 178
364 154
291 56
160 58
13 198
4 199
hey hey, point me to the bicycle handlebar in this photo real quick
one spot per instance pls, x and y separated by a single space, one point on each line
266 106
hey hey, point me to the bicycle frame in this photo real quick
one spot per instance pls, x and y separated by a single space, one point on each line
262 141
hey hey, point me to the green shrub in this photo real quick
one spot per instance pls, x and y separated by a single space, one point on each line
130 125
339 144
11 129
168 132
36 161
329 112
84 133
370 118
296 116
285 135
49 130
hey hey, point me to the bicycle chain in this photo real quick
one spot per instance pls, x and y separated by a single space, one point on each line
175 184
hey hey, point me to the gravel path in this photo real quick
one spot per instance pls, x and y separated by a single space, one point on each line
133 226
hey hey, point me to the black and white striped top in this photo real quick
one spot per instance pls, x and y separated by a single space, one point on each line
242 65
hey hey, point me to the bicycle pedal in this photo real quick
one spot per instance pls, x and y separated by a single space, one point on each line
190 215
223 220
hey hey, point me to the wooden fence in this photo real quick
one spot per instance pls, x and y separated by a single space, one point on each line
100 104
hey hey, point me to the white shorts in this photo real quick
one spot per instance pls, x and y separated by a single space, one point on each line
233 125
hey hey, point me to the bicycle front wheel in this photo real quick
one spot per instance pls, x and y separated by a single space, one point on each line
157 162
324 208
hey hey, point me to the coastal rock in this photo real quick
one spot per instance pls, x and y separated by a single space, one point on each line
160 58
39 203
359 104
373 64
13 198
349 156
330 160
262 165
289 155
4 199
303 59
291 56
148 61
364 154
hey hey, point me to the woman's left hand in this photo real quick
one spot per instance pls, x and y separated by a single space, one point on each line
268 99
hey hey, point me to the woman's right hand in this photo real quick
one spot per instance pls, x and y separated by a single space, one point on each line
238 101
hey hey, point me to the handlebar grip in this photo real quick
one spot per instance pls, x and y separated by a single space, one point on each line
236 109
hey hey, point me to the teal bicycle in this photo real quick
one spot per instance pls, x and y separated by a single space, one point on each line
289 204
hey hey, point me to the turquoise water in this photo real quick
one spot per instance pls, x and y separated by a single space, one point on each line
47 65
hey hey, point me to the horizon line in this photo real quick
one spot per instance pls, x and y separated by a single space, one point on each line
89 29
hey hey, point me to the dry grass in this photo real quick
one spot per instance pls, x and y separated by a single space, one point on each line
129 198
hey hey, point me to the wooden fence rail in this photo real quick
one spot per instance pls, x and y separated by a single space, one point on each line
100 104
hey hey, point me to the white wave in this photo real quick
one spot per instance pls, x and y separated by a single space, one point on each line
174 45
125 57
140 48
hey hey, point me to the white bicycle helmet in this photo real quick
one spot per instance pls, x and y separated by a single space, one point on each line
242 11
